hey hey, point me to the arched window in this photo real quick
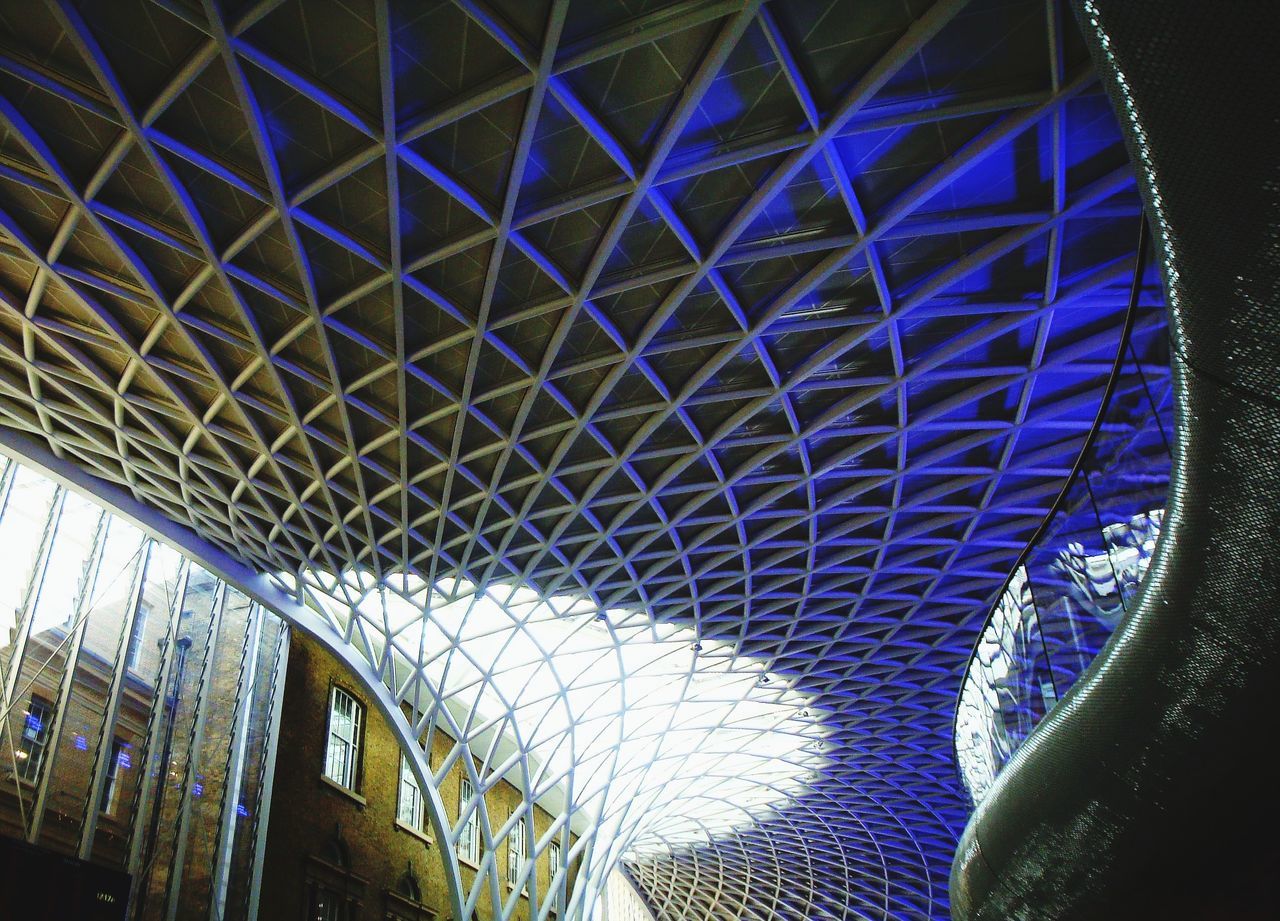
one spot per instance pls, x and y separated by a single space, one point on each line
333 891
404 903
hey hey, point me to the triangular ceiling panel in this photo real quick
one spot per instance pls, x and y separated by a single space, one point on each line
787 379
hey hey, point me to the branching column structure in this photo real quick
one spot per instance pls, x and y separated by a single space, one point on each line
653 397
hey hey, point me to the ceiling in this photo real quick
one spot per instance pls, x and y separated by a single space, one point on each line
783 322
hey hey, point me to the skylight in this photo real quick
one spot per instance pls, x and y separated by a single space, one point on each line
660 737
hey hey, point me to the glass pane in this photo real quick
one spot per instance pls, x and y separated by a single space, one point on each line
205 799
105 610
139 696
58 586
108 649
23 520
169 764
247 807
26 514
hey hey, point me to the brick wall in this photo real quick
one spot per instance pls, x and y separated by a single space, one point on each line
307 809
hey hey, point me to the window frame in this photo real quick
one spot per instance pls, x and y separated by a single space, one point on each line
516 851
133 651
328 877
328 904
553 860
345 769
469 843
36 746
107 805
409 781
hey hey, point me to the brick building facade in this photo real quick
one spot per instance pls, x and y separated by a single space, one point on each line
141 694
324 838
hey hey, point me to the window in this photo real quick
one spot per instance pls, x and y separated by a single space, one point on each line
35 738
553 859
119 760
469 840
134 653
327 905
409 886
342 757
515 852
404 903
409 807
333 892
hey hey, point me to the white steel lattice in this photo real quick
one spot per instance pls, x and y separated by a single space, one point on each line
765 328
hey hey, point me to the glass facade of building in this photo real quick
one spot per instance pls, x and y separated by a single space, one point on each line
140 703
1078 580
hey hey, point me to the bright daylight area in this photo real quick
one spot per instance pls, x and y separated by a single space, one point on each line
612 710
638 460
647 731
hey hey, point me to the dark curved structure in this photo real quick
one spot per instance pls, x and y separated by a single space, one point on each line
1079 576
1151 787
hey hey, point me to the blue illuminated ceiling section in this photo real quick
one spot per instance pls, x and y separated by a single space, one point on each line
782 322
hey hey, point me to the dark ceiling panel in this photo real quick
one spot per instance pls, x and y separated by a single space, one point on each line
742 316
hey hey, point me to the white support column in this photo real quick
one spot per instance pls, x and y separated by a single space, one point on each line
146 791
194 752
115 695
235 766
263 813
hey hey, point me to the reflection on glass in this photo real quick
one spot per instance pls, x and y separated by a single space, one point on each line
1078 582
134 682
35 736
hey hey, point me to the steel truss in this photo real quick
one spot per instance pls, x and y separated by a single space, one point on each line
779 324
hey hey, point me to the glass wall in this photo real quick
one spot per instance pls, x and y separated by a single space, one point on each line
139 696
1079 578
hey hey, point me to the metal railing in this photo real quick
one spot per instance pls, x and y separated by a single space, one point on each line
1079 575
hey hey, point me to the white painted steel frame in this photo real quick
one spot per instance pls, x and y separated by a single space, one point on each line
504 741
175 453
266 592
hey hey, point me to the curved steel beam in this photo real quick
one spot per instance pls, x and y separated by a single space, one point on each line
262 589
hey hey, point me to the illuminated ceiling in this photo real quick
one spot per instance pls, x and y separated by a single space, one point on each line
779 323
645 735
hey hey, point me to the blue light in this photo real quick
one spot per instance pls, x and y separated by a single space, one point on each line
849 487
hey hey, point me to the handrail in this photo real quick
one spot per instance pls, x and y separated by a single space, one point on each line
1060 501
1149 790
